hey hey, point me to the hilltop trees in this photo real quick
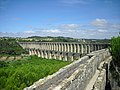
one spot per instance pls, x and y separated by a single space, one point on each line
9 46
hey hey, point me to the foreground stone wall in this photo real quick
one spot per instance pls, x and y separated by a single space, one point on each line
100 82
78 75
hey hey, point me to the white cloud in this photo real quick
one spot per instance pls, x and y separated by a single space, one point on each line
99 22
95 33
69 26
52 31
103 25
116 26
102 30
71 31
29 32
99 28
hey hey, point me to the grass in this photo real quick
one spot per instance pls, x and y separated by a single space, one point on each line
16 75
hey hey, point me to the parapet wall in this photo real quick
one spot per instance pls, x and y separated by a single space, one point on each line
101 80
75 76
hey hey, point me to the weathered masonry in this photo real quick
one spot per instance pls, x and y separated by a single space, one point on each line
87 73
67 51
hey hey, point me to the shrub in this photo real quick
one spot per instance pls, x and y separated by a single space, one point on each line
115 64
115 50
16 75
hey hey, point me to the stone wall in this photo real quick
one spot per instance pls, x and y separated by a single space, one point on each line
77 75
100 82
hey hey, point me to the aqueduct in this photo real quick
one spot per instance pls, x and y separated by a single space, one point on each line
88 71
61 50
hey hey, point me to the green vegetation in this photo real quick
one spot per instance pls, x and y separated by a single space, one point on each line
57 39
48 39
115 50
9 46
16 75
115 64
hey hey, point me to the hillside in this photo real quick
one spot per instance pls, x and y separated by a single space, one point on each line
9 46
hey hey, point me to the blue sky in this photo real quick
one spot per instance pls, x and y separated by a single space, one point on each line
70 18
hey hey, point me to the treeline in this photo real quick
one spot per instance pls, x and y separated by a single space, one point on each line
61 39
9 46
115 64
48 39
